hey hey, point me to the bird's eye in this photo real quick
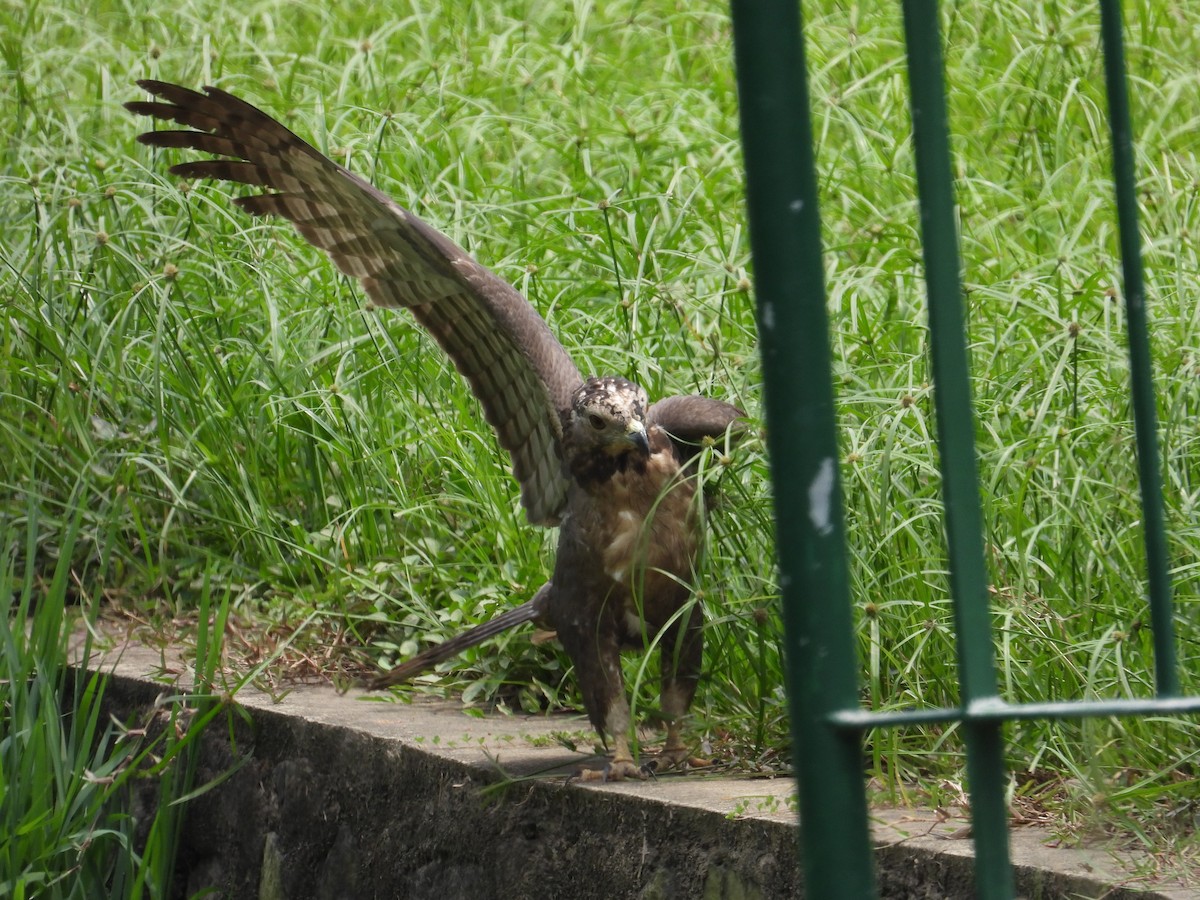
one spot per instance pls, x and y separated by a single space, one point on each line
596 422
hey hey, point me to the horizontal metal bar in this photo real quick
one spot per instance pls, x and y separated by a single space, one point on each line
993 709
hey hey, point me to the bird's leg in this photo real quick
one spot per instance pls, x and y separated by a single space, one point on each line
621 766
597 658
674 751
682 654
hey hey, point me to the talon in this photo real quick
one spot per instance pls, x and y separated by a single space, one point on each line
680 758
620 769
617 770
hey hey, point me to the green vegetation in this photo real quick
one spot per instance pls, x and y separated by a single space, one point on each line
88 806
210 404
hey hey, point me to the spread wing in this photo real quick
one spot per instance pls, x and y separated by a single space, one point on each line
517 369
689 419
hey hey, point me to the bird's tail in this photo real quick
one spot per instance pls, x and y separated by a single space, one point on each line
526 612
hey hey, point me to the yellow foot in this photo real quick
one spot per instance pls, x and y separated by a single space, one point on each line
617 770
677 758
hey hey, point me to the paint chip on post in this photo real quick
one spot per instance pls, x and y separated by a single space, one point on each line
767 314
820 498
796 205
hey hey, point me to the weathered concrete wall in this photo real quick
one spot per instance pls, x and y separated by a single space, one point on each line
323 812
346 799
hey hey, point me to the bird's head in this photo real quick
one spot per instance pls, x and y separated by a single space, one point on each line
609 414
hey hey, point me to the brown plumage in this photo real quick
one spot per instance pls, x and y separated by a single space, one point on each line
590 454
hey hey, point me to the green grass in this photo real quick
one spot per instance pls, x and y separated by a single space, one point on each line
89 805
211 400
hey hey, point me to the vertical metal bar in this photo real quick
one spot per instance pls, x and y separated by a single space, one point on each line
956 444
785 236
1145 419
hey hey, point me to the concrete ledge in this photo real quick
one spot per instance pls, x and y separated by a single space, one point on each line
349 797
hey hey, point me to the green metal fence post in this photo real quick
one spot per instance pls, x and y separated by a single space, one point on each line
1140 378
956 444
785 238
827 721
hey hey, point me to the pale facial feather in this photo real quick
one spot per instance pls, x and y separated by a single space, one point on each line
612 403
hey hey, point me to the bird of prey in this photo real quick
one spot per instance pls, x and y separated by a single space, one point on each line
592 455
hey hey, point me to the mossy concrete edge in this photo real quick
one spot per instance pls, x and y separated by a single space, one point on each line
348 796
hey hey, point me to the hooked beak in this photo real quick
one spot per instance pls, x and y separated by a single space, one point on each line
635 433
